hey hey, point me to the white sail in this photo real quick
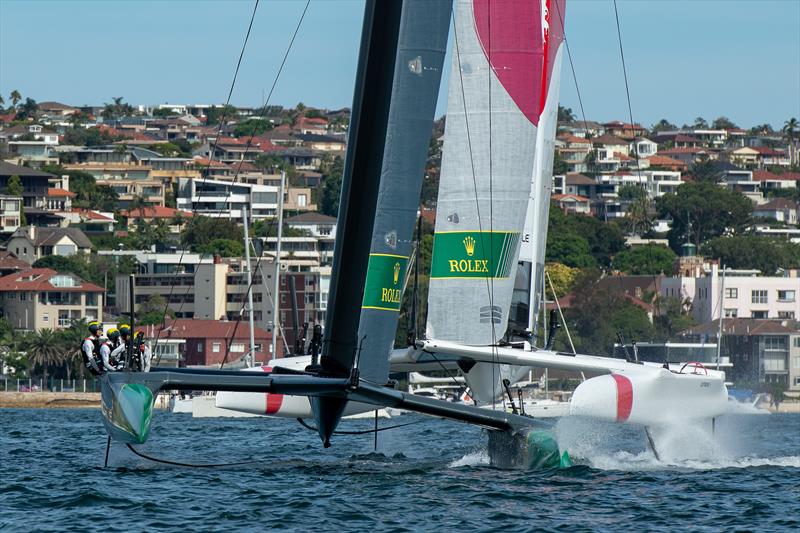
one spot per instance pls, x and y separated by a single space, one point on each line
500 87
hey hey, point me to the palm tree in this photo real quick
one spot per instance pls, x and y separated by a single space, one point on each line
15 97
790 128
70 341
44 349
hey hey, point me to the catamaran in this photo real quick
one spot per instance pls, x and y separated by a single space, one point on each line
492 211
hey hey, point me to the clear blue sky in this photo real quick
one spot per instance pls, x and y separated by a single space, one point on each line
685 58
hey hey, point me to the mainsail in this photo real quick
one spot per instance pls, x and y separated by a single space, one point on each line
504 56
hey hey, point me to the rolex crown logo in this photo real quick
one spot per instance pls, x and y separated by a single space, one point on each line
396 272
469 245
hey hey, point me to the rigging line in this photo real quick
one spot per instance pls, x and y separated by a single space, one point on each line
238 169
572 67
362 432
635 148
469 147
495 355
449 374
216 141
190 465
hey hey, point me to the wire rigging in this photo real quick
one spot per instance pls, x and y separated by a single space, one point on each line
239 167
572 67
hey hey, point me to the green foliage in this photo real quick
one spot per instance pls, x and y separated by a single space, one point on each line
721 123
714 211
222 247
754 252
705 171
251 127
28 109
202 230
332 169
172 149
565 114
149 234
88 137
570 236
117 109
270 163
164 112
560 166
222 113
153 311
14 186
73 264
631 192
663 125
673 317
652 259
597 314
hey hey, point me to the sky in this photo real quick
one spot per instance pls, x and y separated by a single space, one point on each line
685 58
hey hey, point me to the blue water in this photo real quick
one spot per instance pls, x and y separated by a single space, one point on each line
429 476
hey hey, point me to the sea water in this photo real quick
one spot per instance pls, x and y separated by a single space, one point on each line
432 475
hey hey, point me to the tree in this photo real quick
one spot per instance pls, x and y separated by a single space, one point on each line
754 252
15 97
73 264
603 239
562 277
222 247
631 192
569 249
712 210
43 350
791 128
201 230
560 167
118 109
28 109
154 311
723 123
705 170
164 112
700 123
332 169
673 316
652 259
218 114
14 186
251 127
663 125
565 114
169 149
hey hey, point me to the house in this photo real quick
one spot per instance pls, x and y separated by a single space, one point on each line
573 204
57 109
90 219
769 157
688 156
624 130
667 163
298 199
606 148
10 264
312 126
580 185
31 243
643 147
212 342
761 350
323 143
573 151
31 143
778 209
583 128
35 184
316 224
59 199
175 218
745 157
41 298
768 180
225 199
10 213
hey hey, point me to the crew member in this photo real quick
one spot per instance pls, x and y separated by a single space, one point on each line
91 348
109 365
117 356
119 350
144 352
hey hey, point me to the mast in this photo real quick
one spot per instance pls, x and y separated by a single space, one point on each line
276 300
251 359
721 315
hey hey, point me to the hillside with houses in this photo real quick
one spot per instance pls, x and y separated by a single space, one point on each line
657 233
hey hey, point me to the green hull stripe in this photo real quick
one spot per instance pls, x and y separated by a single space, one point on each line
383 289
473 254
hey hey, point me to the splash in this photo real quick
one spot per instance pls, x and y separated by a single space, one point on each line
476 458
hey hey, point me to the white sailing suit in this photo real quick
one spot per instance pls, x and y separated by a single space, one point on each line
145 354
118 353
105 355
88 350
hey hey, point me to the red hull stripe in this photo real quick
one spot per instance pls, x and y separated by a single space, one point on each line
624 397
274 401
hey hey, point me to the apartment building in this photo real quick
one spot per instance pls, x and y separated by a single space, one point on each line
42 298
10 213
225 199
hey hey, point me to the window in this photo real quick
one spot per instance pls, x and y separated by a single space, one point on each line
237 347
731 293
758 297
200 347
91 298
786 314
63 319
796 342
46 318
785 296
215 347
759 314
731 313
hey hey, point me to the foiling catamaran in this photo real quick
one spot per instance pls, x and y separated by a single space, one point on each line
496 168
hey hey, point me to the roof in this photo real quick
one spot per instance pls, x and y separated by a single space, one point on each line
312 217
569 138
8 169
155 211
9 261
194 328
664 161
619 124
683 150
609 139
205 162
60 193
54 106
576 197
681 138
45 236
765 150
579 179
313 137
89 214
777 204
742 326
38 279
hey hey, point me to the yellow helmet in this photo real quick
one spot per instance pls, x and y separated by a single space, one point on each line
124 329
95 326
112 333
